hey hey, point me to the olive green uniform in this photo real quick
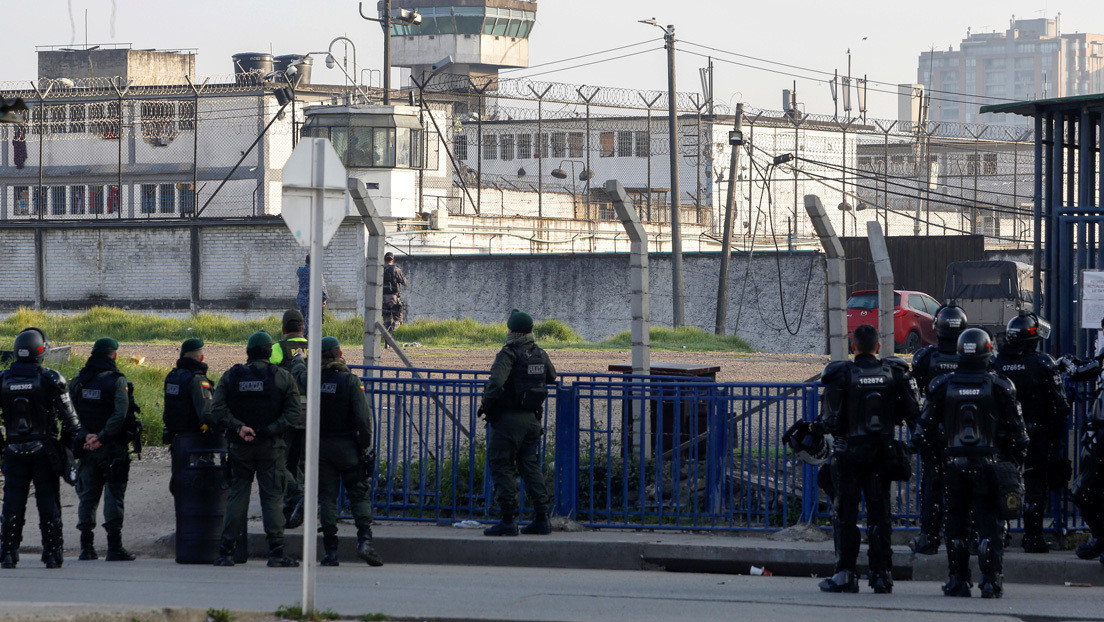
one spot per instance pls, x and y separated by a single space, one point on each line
513 436
287 354
346 436
264 457
102 472
188 394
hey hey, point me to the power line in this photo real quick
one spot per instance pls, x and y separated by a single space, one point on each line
565 60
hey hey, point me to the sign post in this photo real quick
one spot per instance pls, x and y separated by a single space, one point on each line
313 207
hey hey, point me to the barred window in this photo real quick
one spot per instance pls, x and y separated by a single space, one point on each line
643 144
506 147
22 196
624 144
490 147
39 200
544 145
95 199
168 199
187 199
606 144
113 203
460 145
525 146
149 198
57 200
76 199
559 145
576 142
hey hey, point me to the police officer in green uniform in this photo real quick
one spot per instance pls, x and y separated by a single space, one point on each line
512 403
254 403
288 354
187 397
344 454
99 394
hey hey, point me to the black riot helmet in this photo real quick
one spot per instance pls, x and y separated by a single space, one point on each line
30 346
949 322
1024 331
808 446
975 348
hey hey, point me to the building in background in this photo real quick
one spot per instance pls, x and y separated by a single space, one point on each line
1030 60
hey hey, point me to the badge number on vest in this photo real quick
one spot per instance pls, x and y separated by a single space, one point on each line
21 387
329 387
251 386
90 394
536 370
172 389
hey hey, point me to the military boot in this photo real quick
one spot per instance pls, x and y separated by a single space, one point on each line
11 534
277 558
365 550
1035 543
115 550
329 545
539 527
990 562
958 560
882 582
226 555
1092 549
507 526
924 544
52 543
842 581
88 545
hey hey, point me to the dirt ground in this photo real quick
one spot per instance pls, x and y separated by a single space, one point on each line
735 367
149 506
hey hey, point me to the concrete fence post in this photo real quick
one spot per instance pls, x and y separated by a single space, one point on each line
373 270
837 288
884 268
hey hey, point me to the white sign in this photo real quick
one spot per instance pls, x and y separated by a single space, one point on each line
314 171
1092 299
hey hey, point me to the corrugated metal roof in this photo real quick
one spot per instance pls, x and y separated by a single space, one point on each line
1034 107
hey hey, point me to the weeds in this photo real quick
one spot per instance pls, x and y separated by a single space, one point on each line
295 612
220 615
375 617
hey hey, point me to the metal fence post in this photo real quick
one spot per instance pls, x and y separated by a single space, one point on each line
716 435
809 491
566 469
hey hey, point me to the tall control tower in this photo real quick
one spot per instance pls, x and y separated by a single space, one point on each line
481 36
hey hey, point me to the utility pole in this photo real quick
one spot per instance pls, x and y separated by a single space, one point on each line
677 292
386 52
730 209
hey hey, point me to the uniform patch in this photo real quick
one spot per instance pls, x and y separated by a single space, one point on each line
90 394
251 386
20 387
329 387
172 389
205 384
536 370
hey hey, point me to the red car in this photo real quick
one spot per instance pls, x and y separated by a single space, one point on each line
913 313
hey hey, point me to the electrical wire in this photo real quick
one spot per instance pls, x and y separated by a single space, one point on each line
588 64
565 60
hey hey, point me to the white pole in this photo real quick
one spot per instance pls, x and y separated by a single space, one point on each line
314 382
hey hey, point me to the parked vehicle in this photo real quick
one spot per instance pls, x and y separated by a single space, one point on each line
913 313
990 292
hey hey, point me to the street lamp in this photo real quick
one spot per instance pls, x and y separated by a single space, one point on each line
560 173
405 16
672 122
13 112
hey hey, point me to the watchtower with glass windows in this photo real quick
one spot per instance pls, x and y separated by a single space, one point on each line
481 36
382 146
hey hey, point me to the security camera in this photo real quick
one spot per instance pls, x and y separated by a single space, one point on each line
329 61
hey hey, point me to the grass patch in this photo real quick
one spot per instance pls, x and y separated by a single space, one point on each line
220 615
375 617
295 612
689 338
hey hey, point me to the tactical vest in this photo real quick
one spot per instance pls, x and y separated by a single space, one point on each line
336 404
870 401
390 283
289 347
938 363
26 406
95 402
180 414
252 395
1028 375
525 389
970 416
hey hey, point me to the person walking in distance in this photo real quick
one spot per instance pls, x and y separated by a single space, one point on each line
302 299
864 402
254 404
393 282
33 400
513 402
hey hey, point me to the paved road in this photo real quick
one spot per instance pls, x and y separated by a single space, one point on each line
482 593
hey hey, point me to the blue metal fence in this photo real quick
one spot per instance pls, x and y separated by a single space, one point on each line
619 451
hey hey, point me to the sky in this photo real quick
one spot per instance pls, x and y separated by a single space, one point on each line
813 35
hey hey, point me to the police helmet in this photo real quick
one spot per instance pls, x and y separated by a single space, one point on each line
974 345
949 321
1026 328
30 346
807 446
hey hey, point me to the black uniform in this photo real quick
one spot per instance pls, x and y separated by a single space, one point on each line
393 282
33 399
864 400
1088 488
972 420
1042 398
928 364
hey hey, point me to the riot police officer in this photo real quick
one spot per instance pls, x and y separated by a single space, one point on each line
254 404
929 363
973 421
32 400
513 401
1088 488
288 354
344 454
864 400
1042 397
101 396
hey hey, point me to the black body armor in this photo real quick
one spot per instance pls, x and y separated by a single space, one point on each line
336 404
180 414
253 397
525 389
870 401
970 416
96 399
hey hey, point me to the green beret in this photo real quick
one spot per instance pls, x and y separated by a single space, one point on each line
329 343
520 322
191 345
258 339
104 344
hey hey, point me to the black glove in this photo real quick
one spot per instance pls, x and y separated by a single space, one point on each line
368 464
482 412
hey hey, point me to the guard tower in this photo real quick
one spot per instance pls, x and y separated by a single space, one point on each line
481 36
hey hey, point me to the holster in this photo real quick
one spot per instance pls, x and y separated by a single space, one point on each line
118 471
